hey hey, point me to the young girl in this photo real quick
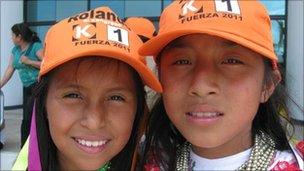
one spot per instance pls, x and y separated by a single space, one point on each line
90 97
219 107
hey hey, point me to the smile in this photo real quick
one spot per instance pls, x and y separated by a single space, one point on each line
203 118
204 114
91 147
91 143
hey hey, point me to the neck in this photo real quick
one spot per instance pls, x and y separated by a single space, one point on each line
23 45
239 143
64 163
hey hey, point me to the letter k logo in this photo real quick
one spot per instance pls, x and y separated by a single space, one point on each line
82 31
189 6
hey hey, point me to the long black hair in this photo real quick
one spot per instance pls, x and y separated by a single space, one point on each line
47 148
163 138
25 32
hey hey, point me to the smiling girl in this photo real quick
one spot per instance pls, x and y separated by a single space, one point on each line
90 98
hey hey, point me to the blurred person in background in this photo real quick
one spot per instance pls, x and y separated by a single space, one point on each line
26 58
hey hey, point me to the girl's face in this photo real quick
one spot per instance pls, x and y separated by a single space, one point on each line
91 107
15 39
212 91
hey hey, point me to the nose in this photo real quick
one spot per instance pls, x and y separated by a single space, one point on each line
204 81
94 117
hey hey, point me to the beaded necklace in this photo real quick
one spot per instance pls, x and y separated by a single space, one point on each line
262 152
105 167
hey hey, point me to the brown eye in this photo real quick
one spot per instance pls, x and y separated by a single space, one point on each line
232 61
72 95
116 98
182 62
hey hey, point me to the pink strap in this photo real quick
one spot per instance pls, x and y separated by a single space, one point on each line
34 157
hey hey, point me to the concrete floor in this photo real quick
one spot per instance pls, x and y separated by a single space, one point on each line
11 134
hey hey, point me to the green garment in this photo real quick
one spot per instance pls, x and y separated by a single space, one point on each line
22 159
28 74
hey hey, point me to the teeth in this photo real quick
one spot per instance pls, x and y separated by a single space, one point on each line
95 143
204 114
88 143
91 143
100 143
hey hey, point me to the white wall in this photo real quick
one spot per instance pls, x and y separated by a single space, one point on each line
294 61
11 13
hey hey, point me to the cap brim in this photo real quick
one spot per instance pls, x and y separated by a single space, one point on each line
156 44
146 74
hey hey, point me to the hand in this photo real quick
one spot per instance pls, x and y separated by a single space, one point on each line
25 60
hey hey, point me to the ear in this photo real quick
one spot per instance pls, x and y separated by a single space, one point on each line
269 86
19 37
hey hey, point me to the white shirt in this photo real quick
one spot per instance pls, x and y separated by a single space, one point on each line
226 163
281 160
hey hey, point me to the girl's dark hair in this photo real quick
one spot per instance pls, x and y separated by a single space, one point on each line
270 116
25 32
47 148
162 137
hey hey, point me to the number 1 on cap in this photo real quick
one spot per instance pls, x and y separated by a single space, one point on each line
118 31
230 6
118 35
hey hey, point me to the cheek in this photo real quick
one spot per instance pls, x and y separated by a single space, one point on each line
174 85
243 97
175 88
172 95
243 92
166 81
121 121
244 83
16 39
61 119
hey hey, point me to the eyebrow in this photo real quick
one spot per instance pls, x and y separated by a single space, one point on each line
112 88
61 85
178 44
230 44
121 88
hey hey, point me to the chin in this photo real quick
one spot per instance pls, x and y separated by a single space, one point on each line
209 145
203 142
206 144
91 166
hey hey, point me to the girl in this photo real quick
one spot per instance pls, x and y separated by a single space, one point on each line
90 97
219 107
26 59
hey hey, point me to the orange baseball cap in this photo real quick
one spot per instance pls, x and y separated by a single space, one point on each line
244 22
141 26
98 32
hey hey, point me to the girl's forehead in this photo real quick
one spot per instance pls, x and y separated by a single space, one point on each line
99 69
94 64
196 39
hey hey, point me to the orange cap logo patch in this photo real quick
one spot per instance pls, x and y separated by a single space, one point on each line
188 6
83 31
194 9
